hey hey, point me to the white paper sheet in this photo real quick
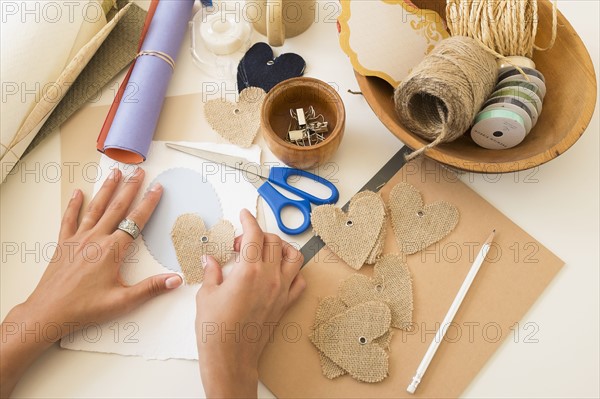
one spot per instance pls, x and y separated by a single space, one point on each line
164 327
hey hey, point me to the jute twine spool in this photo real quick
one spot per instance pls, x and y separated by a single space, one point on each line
439 99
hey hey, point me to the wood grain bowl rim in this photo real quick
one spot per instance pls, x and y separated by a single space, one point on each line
311 83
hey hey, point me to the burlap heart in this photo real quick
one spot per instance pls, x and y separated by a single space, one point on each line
348 339
379 243
237 122
192 239
416 226
391 284
357 236
328 308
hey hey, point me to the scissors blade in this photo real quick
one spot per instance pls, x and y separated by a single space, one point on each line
230 161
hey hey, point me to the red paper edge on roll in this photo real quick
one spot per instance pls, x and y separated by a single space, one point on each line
115 104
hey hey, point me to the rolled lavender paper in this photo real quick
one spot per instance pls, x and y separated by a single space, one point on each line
133 126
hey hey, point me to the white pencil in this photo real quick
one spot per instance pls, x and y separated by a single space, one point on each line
439 335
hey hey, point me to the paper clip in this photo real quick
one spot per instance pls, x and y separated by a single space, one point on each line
307 128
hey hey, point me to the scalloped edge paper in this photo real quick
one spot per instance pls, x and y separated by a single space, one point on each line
185 191
379 52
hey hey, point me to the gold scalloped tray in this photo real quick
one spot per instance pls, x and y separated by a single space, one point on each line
568 105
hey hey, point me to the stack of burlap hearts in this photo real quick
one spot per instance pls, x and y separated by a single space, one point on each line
357 236
353 331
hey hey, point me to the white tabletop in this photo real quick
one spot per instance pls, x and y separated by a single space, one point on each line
555 349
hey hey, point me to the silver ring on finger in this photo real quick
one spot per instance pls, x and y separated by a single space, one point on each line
129 227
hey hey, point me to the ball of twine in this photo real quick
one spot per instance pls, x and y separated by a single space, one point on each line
440 97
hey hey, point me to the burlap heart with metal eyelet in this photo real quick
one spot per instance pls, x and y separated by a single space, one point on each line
356 236
192 239
328 308
391 284
417 226
237 122
349 340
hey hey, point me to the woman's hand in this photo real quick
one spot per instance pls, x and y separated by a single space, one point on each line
82 283
237 316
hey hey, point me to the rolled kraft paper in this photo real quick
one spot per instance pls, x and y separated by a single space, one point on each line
135 121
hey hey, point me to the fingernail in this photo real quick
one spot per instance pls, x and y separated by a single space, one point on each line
173 282
156 187
204 260
75 194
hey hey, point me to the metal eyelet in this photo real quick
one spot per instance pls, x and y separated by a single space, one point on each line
362 340
204 239
349 223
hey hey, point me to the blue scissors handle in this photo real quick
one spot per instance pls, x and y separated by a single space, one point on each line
280 176
278 201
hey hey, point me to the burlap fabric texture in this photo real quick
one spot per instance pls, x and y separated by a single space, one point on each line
237 122
391 284
417 226
328 308
357 236
349 340
192 239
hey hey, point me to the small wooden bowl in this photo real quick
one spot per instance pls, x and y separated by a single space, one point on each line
275 120
568 105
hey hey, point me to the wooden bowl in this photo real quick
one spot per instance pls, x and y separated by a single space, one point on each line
568 105
275 120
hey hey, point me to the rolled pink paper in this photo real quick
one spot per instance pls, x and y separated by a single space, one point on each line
134 123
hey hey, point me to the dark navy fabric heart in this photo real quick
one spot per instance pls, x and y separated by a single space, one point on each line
259 68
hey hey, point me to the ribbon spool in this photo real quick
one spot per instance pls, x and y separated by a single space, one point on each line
519 96
498 129
219 39
223 34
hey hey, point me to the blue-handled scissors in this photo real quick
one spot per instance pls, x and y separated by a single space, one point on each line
261 176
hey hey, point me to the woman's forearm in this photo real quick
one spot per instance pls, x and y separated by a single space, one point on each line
21 343
226 380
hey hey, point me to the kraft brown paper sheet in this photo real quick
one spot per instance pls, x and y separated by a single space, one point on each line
500 296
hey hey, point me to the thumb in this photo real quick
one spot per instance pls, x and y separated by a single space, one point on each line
153 287
213 274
